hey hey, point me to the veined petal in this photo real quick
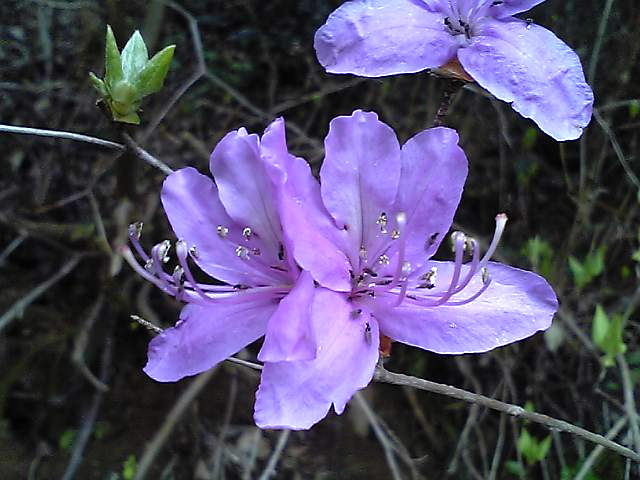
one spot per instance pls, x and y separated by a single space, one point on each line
533 69
205 336
373 38
434 169
290 333
296 395
359 176
193 207
246 191
516 305
309 231
507 8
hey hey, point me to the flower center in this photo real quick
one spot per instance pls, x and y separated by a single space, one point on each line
376 279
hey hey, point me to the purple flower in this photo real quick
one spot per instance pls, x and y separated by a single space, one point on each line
517 61
323 271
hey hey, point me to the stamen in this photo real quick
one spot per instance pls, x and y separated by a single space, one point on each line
222 231
247 232
501 221
382 222
242 252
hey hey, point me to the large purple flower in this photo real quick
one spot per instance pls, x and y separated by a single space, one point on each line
393 206
323 271
517 61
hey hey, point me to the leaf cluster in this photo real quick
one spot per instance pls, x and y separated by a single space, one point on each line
130 76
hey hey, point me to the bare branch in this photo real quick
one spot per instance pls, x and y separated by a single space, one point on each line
61 134
382 375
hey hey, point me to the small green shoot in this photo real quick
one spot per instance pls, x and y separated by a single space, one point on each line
130 76
607 335
586 271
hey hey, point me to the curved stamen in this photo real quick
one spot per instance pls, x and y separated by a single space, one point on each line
501 221
486 283
459 238
182 251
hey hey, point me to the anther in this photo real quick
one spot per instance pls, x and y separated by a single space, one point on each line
382 222
163 251
485 275
148 265
242 251
246 232
395 234
222 231
384 259
363 253
135 230
429 279
193 251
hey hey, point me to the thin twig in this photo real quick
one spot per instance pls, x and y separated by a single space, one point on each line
275 456
87 426
597 451
15 243
385 376
145 156
179 408
629 400
388 448
18 308
193 78
80 345
61 134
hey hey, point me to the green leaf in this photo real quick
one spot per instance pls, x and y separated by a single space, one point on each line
533 450
600 326
634 108
98 85
580 276
592 266
516 468
152 76
607 334
134 57
66 440
529 138
112 60
129 468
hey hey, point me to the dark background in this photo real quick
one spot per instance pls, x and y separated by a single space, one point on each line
65 207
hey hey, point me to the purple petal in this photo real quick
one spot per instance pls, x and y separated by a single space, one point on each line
296 395
246 190
205 336
309 231
511 7
434 169
530 67
360 176
516 305
373 38
191 203
290 331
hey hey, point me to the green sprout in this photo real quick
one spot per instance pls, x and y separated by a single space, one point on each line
130 76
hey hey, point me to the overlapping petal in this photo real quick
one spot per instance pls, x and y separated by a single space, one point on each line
193 207
360 176
383 37
538 73
434 169
507 8
245 189
310 234
296 395
516 305
205 336
290 334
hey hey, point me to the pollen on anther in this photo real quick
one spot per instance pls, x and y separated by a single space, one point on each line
242 251
222 231
193 251
384 259
382 222
429 278
247 232
135 230
395 234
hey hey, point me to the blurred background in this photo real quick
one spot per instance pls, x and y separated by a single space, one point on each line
74 402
